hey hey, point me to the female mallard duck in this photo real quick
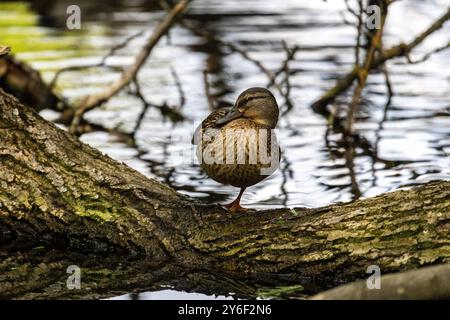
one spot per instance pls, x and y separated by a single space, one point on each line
237 145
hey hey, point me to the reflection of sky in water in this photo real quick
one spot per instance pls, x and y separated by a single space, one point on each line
415 135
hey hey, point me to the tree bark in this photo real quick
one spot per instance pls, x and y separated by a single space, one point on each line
67 203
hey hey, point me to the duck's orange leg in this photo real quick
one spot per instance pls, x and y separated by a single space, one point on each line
235 205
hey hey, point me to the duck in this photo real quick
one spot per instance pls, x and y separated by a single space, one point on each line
237 145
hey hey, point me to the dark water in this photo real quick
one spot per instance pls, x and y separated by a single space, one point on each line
411 137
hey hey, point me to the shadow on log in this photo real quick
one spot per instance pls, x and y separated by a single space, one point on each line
67 203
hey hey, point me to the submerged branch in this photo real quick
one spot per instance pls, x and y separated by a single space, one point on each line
181 93
207 88
130 73
233 47
429 54
102 62
363 72
400 50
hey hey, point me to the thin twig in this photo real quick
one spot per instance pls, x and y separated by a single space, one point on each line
287 174
145 103
205 34
429 54
289 58
179 87
378 137
363 74
349 155
400 50
359 28
208 95
129 74
165 110
344 19
351 10
387 80
100 64
290 53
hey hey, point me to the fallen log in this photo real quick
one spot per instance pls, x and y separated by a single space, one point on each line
429 283
58 193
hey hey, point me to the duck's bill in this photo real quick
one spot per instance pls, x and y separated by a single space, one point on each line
233 114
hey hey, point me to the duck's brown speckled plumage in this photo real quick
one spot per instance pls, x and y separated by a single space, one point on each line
236 135
240 135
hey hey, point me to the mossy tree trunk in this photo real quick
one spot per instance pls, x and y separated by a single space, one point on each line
67 203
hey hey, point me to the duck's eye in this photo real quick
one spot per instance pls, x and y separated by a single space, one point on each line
242 102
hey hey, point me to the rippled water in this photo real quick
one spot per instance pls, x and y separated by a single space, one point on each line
411 137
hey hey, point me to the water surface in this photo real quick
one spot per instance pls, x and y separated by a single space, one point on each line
411 137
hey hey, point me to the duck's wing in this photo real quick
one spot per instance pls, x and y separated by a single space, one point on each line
209 122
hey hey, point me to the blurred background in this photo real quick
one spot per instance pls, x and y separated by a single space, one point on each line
409 137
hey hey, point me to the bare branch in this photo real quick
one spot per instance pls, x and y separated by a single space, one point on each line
364 73
387 80
400 50
231 46
102 63
145 103
290 53
434 27
208 95
429 54
289 57
128 75
344 20
359 31
179 87
351 10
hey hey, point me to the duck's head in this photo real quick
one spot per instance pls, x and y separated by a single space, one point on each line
256 104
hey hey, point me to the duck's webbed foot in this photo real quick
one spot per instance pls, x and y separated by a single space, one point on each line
235 206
